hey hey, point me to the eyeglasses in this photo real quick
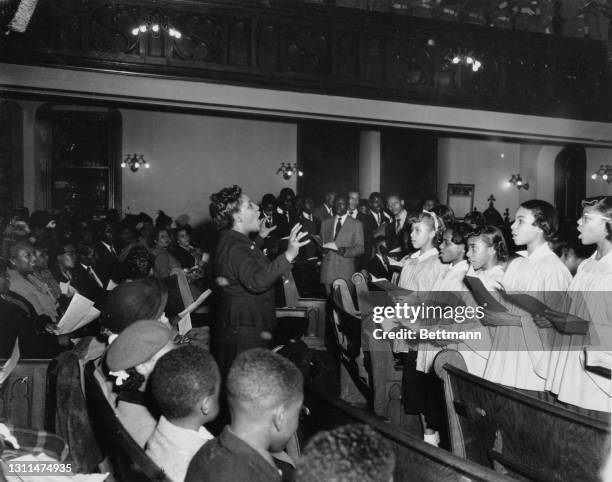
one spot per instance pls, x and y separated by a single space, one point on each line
585 216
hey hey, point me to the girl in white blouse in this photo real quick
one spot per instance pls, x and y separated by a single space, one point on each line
590 312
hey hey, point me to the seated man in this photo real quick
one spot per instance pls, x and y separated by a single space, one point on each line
350 453
185 385
265 394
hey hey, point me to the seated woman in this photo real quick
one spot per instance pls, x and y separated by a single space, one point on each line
187 255
18 320
129 362
163 261
20 274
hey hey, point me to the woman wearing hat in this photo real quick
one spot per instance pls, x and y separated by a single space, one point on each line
247 311
130 360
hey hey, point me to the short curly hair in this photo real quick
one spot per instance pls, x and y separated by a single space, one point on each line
494 238
223 205
260 379
182 378
350 453
545 217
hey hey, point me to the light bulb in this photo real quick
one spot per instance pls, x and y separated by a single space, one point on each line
502 155
177 34
290 172
123 164
155 27
605 177
135 31
456 60
137 164
519 183
143 28
593 176
300 173
147 165
469 60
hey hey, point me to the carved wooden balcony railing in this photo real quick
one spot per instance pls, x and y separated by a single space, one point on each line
323 49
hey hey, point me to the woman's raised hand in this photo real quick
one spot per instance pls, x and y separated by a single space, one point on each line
295 242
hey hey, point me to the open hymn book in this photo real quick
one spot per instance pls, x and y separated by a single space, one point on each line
80 312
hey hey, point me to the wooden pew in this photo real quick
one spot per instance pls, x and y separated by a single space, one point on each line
23 394
500 427
315 311
416 460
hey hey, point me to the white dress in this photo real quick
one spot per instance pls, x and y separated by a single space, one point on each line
520 355
591 300
451 280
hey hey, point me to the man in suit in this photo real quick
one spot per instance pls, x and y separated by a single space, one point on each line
325 210
347 234
377 213
354 199
284 218
398 227
107 264
85 279
306 269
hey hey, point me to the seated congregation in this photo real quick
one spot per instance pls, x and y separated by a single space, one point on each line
257 350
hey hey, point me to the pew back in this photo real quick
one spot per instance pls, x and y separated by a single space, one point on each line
526 436
416 460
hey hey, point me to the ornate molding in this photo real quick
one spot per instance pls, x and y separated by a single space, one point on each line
323 49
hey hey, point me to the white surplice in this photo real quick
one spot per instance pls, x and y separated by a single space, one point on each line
591 300
450 281
520 355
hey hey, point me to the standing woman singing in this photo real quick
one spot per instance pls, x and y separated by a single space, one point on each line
247 312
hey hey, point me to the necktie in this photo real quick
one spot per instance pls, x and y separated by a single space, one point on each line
351 213
287 216
338 227
398 221
93 275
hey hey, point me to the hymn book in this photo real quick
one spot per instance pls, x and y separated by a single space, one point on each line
80 312
482 295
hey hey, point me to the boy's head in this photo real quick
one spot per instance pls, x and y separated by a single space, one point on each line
185 383
265 390
354 452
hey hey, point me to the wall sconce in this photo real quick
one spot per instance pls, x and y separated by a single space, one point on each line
156 27
517 180
288 170
604 172
135 162
465 58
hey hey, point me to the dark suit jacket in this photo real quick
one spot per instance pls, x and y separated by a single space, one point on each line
394 240
384 217
86 284
369 225
376 268
283 226
228 459
311 249
321 214
107 265
350 237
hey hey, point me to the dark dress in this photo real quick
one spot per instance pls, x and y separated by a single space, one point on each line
247 303
19 320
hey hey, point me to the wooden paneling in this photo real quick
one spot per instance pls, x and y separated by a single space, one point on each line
22 395
324 49
527 436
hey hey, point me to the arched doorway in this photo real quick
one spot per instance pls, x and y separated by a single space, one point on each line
570 181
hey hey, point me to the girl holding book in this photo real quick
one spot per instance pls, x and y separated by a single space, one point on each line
589 321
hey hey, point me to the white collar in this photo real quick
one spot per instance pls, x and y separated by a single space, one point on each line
539 253
462 265
427 254
306 215
280 211
355 212
402 216
107 246
328 209
342 218
179 433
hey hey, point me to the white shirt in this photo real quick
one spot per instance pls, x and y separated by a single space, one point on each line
591 300
520 355
353 213
307 216
172 447
109 247
341 218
